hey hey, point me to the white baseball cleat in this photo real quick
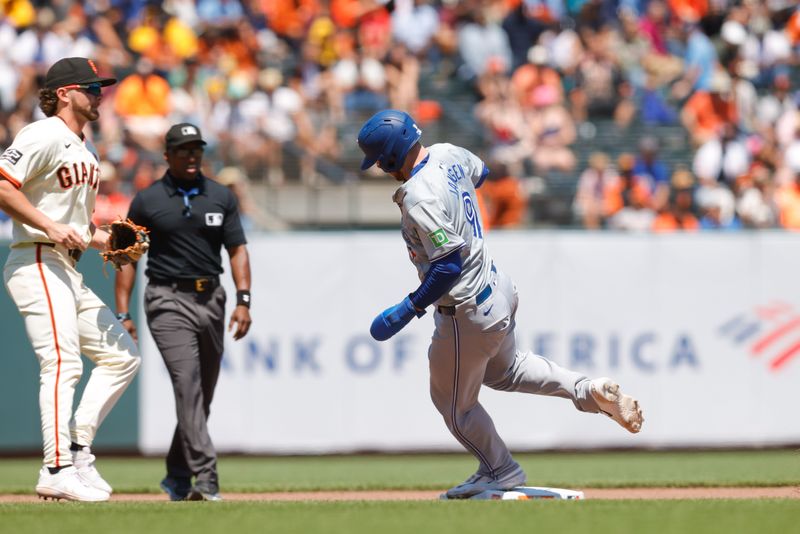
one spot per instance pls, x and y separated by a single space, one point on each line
83 460
479 483
620 407
66 484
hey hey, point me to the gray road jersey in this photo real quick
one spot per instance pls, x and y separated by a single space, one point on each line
440 215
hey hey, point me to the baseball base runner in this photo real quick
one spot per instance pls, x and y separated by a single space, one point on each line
475 302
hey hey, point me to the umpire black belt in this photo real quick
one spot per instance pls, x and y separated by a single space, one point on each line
74 253
188 285
479 299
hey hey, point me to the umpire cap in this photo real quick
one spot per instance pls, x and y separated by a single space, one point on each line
74 71
183 133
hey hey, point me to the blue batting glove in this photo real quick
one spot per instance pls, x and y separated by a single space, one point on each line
393 319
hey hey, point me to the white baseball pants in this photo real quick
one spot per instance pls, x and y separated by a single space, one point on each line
64 318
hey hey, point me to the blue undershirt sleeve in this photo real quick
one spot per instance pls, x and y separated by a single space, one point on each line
441 276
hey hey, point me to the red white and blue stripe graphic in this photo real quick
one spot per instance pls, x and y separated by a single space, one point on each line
771 333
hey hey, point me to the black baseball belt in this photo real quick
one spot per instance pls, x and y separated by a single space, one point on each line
74 253
188 285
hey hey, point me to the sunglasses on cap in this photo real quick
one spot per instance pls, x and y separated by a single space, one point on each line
94 89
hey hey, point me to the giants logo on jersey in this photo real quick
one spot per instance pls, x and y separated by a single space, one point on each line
78 174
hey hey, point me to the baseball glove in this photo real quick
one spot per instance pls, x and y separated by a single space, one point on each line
127 242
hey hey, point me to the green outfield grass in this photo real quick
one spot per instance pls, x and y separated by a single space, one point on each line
618 517
580 470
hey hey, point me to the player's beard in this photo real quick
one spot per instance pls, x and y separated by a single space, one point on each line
90 113
85 110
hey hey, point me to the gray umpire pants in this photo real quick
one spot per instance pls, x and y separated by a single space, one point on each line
476 346
188 329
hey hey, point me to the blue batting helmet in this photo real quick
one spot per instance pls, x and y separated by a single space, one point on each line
386 138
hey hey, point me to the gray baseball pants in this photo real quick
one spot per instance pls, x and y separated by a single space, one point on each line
476 345
188 329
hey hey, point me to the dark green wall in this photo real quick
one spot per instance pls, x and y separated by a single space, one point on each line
19 376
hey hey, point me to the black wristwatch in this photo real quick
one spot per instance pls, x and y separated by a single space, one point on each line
124 316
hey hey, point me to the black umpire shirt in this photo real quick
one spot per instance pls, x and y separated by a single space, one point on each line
181 246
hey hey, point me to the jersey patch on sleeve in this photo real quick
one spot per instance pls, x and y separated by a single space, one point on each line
214 219
438 238
11 155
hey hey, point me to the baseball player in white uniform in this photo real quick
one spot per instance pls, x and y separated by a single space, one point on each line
476 302
50 175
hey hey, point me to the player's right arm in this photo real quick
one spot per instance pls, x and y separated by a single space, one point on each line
17 205
123 287
125 278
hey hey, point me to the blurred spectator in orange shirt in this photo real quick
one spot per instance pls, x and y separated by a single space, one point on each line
689 10
502 198
788 199
636 215
706 113
346 13
678 214
793 28
620 192
143 101
111 203
290 18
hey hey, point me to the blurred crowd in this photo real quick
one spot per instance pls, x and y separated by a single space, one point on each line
274 80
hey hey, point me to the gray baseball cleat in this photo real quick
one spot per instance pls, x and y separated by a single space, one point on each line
203 491
479 483
620 407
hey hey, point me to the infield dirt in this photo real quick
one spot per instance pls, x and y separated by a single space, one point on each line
777 492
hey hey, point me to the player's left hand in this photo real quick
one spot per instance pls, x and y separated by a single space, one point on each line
240 317
393 319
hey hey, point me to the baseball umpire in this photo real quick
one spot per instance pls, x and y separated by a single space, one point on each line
476 302
50 175
190 218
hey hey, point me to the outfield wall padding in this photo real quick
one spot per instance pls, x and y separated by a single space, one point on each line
703 328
